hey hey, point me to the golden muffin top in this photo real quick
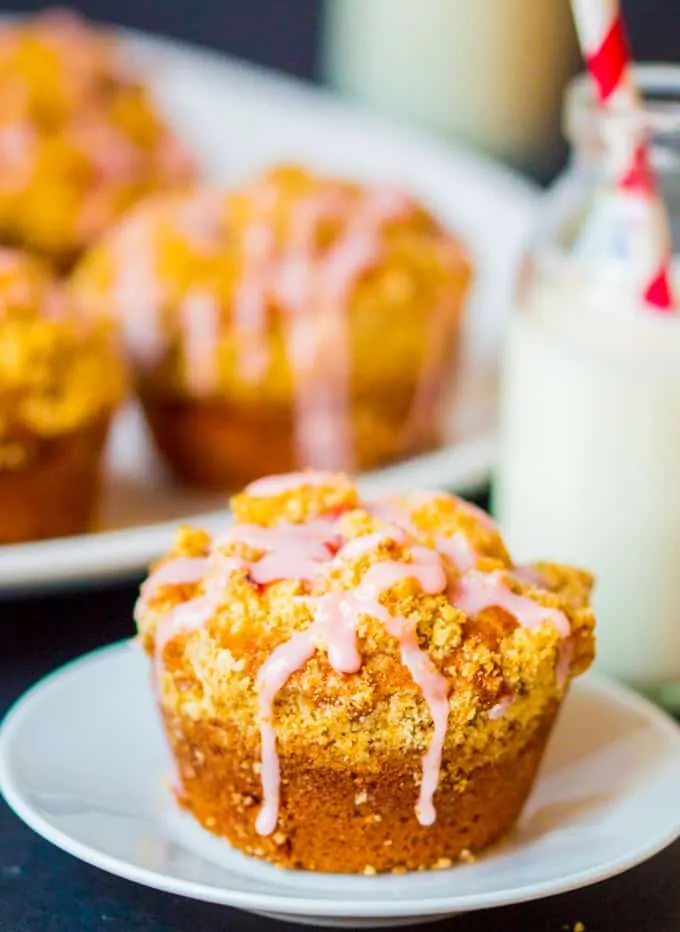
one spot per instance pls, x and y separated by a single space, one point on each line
354 625
80 140
289 275
58 370
55 65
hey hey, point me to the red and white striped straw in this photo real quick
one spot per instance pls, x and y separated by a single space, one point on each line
605 49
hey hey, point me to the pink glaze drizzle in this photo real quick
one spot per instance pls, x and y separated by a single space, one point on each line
200 325
529 574
305 552
249 307
181 571
199 219
459 550
193 614
359 546
565 655
292 551
18 146
137 292
498 711
334 625
477 591
271 486
313 290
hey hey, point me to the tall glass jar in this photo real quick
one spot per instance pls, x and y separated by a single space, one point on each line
490 73
589 468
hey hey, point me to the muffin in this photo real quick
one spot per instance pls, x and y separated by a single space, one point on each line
80 138
61 377
355 686
298 320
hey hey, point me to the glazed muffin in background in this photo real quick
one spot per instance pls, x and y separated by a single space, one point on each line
80 138
355 686
61 378
311 318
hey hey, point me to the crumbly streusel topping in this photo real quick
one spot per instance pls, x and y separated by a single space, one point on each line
500 673
58 370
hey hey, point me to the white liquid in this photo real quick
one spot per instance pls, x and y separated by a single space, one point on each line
590 467
490 72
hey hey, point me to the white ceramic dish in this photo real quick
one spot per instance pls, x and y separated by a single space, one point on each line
239 118
82 761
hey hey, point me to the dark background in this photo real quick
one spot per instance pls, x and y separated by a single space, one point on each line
45 890
282 33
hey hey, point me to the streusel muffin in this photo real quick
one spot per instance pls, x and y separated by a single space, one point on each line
299 320
80 138
61 378
358 686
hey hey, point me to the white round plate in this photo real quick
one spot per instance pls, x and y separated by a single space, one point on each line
239 118
82 761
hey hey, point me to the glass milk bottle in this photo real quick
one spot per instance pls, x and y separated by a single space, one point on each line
589 469
488 72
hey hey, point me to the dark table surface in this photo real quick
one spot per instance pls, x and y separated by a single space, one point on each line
44 890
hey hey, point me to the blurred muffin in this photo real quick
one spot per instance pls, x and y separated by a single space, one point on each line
299 320
61 377
80 139
358 686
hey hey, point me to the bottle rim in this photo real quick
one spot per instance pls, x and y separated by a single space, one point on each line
584 117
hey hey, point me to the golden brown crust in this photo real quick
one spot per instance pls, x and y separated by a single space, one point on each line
54 492
222 370
353 820
230 436
423 272
85 140
59 371
338 732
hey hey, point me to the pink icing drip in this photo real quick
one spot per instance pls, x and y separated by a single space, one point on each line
137 291
434 371
564 657
314 291
17 142
499 710
175 573
18 148
249 306
200 324
113 156
174 162
459 550
274 674
387 204
482 518
314 302
10 260
477 591
324 435
335 622
301 552
289 482
529 574
186 617
368 542
193 614
434 688
292 551
200 220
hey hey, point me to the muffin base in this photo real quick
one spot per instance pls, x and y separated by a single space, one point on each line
353 821
54 493
222 445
